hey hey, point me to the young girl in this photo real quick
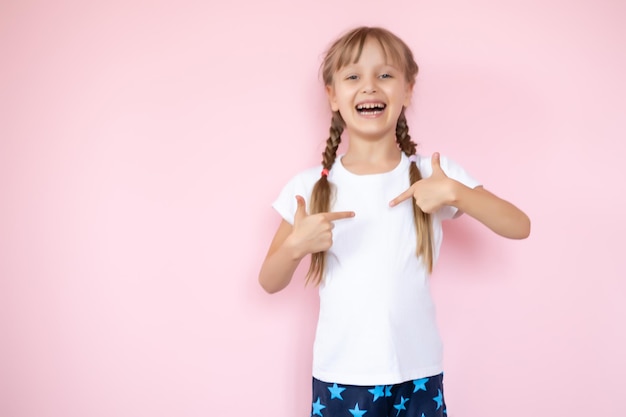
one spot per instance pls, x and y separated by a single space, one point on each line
371 220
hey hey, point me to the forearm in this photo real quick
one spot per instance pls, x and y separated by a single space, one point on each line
279 267
497 214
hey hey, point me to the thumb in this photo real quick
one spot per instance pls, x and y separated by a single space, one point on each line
300 210
435 162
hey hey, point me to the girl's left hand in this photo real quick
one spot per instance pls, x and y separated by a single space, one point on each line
430 193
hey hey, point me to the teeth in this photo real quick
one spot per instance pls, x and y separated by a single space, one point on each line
366 106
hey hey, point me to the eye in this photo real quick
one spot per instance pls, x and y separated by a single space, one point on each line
386 75
352 77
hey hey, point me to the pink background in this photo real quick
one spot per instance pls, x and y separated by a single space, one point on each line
142 143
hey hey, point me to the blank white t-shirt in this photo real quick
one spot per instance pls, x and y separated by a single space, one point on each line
376 322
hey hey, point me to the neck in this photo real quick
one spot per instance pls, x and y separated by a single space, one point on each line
369 157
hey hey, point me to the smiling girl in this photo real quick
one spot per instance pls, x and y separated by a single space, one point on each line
371 221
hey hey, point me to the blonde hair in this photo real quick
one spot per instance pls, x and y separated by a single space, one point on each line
346 50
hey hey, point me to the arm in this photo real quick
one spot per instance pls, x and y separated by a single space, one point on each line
439 190
497 214
281 261
309 234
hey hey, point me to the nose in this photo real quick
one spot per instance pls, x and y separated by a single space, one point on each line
369 86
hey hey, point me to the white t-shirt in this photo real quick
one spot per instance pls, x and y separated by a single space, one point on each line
377 320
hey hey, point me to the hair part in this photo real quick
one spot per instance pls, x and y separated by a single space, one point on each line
344 51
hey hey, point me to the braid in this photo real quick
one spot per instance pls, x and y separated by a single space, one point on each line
423 224
403 138
332 143
321 194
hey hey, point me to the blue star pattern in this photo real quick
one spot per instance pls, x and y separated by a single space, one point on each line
420 384
438 399
410 398
378 392
318 407
335 392
401 406
356 412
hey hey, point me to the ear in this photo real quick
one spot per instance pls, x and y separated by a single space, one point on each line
408 94
332 98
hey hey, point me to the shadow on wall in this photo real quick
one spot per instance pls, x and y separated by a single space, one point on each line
469 249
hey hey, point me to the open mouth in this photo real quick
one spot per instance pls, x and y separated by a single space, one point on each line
369 109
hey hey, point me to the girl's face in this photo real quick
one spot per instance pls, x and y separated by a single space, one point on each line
370 94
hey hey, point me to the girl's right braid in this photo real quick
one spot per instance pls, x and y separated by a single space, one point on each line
321 194
336 129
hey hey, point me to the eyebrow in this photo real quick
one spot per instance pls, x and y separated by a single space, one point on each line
355 65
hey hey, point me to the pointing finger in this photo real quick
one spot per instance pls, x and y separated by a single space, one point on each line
338 215
399 199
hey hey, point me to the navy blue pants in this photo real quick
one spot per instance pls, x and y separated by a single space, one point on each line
417 398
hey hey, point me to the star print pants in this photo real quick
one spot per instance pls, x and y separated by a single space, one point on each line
417 398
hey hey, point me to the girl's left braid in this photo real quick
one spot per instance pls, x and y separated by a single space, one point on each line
423 222
403 138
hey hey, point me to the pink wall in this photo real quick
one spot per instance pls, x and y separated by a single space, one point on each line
141 144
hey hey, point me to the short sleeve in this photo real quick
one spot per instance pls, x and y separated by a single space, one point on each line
286 204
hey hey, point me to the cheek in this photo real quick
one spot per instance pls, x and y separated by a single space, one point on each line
340 98
344 98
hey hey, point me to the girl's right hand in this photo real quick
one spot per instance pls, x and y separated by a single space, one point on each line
313 233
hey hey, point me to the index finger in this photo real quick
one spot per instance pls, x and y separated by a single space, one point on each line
338 215
399 199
